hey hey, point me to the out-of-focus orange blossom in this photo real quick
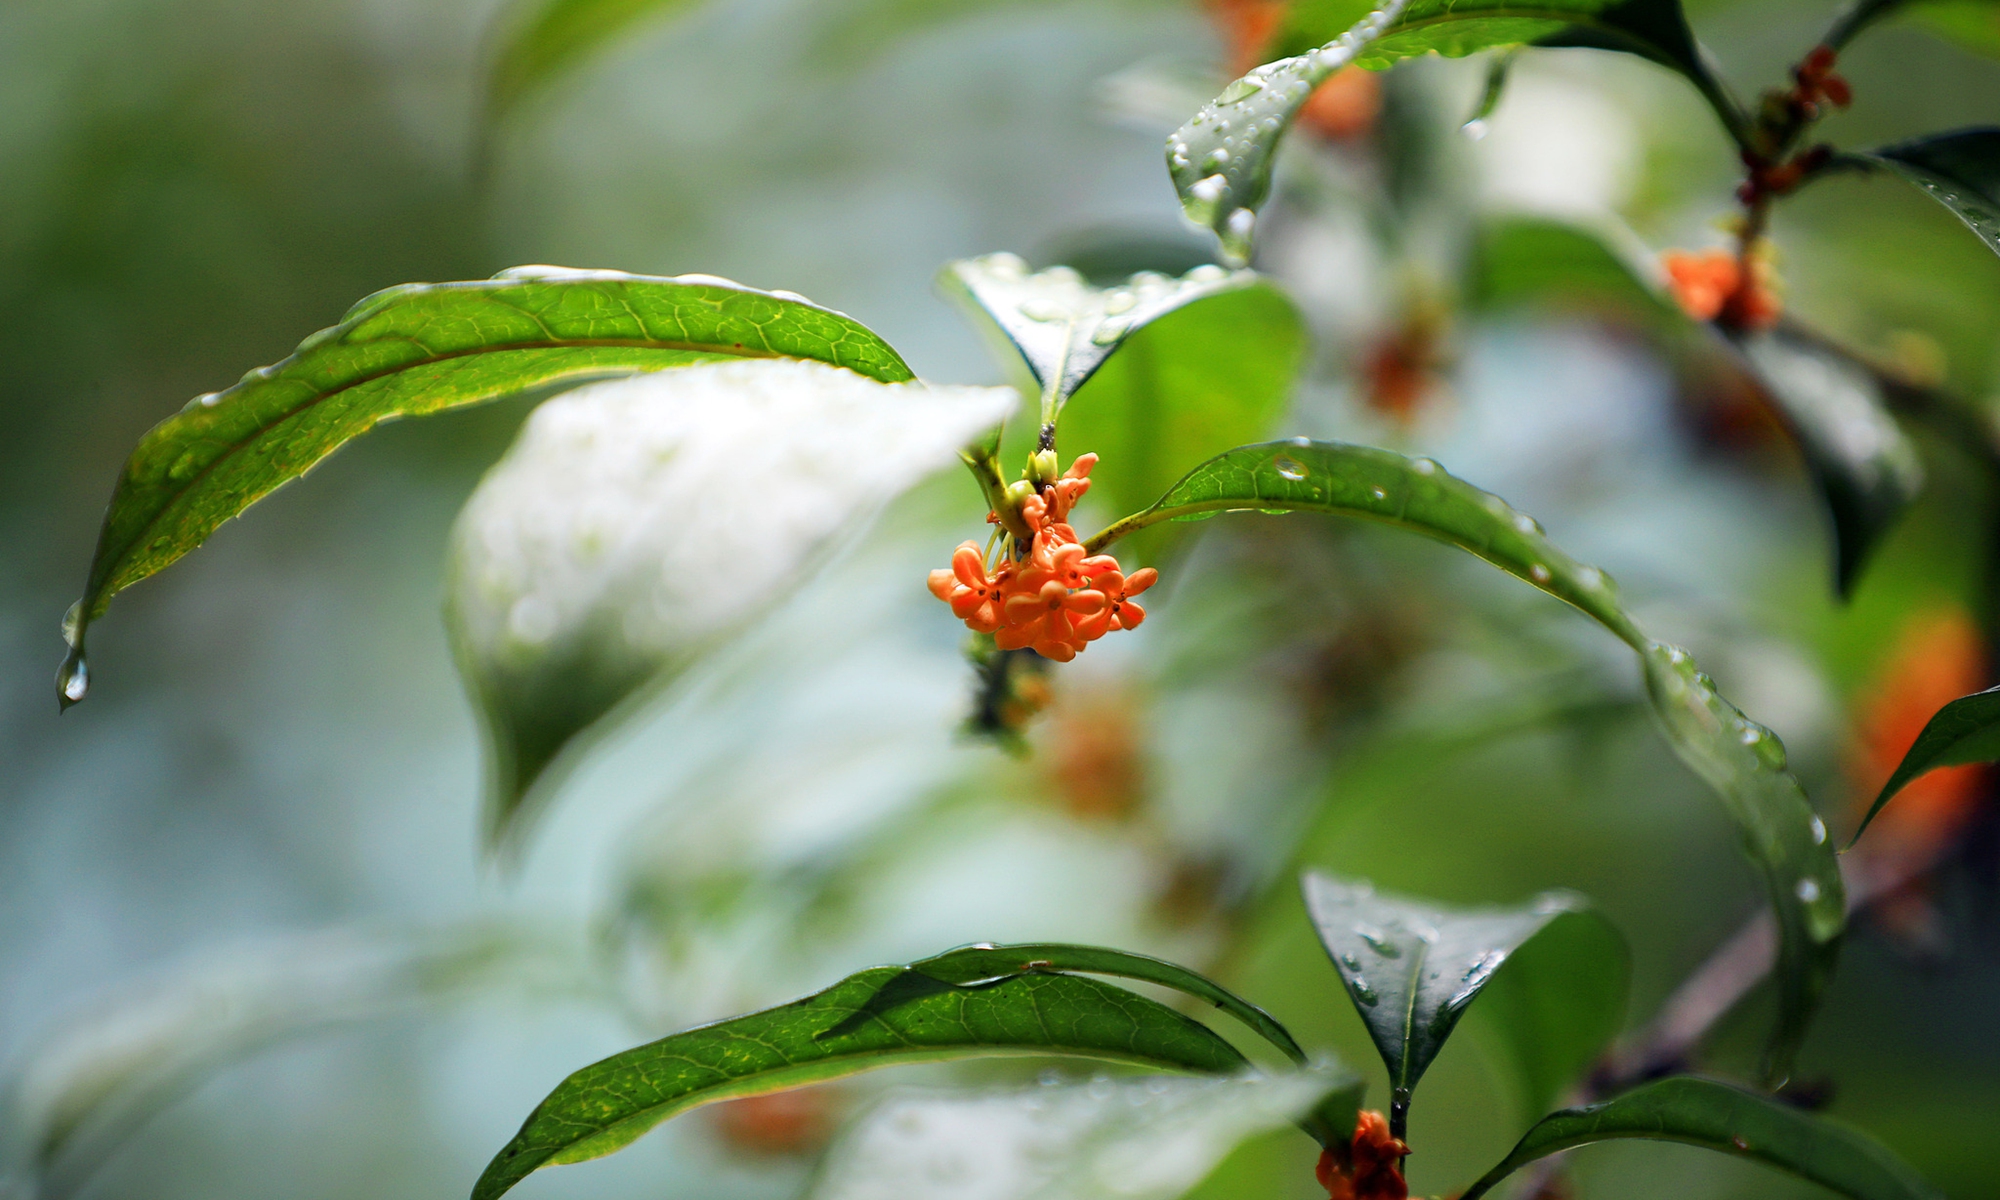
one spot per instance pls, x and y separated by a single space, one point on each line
1374 1170
1708 285
791 1123
1342 109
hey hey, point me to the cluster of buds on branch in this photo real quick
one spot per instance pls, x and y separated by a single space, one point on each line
1712 284
1047 593
1373 1166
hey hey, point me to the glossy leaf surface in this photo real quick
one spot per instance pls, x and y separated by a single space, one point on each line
1412 969
1960 170
876 1018
1973 24
976 964
1536 262
1221 159
616 543
1865 466
1062 328
1654 29
1745 764
1701 1112
543 39
425 348
1740 760
1109 1139
1215 374
1965 731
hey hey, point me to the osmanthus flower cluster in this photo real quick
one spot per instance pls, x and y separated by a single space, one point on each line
1373 1169
1046 594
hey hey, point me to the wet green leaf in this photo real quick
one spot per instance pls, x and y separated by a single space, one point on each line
420 349
540 40
876 1018
1221 159
1535 262
1742 761
973 964
1214 374
1412 969
1060 327
577 579
1865 467
1745 764
1701 1112
1151 1138
1965 731
1960 170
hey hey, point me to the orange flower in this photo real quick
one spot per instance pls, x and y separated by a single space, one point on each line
1057 598
1709 286
1374 1166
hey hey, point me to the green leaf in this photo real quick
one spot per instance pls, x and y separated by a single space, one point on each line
1109 1139
1221 159
1060 327
615 544
1866 469
1965 731
1745 764
1863 465
1960 170
1412 969
1701 1112
879 1017
1972 24
420 349
972 964
1742 761
540 40
1214 374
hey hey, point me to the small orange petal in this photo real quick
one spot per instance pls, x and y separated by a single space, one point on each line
941 582
965 602
1130 615
1086 601
1139 580
1019 608
1059 651
969 565
1081 467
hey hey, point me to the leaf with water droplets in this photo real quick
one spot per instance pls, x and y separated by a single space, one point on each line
1652 29
1414 968
1866 467
540 40
1965 731
1716 1116
616 543
877 1018
1149 1138
425 348
1960 170
1745 764
1221 159
1061 328
1779 831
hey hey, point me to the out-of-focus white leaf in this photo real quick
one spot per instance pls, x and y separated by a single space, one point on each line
636 524
88 1084
1149 1138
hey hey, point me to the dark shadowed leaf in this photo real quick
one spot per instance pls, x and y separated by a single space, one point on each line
541 40
1701 1112
1060 327
1212 375
615 544
1866 468
1965 731
974 964
877 1018
420 349
1862 463
1960 170
1742 761
1973 24
1412 970
1149 1138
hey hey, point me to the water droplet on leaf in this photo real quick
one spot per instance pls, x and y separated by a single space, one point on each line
73 679
1808 890
1818 832
1290 468
1474 129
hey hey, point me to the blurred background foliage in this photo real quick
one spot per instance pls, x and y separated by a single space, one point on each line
277 772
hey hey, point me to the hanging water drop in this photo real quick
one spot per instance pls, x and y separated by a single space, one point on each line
1209 189
1474 129
1818 832
73 679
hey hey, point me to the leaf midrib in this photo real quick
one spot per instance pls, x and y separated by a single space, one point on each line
1413 984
